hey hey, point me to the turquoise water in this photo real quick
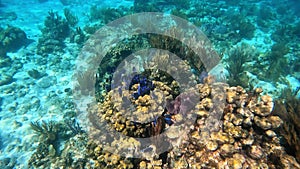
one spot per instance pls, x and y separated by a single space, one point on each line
58 58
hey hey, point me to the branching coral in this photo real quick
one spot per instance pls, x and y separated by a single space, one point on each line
56 29
278 64
47 129
237 60
71 19
289 110
265 15
85 82
74 126
180 49
283 34
55 26
272 65
73 154
242 28
60 144
54 33
278 50
78 36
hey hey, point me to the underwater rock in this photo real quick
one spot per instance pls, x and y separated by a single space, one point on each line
46 81
47 46
6 79
35 74
13 38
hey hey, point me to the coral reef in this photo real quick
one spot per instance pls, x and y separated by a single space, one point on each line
48 130
246 29
105 159
265 16
142 6
54 33
113 58
12 39
71 19
236 64
274 64
147 110
60 145
106 15
78 36
157 61
74 126
288 109
247 133
244 137
179 13
73 154
56 30
144 86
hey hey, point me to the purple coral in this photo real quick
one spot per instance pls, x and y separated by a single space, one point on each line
145 85
182 103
